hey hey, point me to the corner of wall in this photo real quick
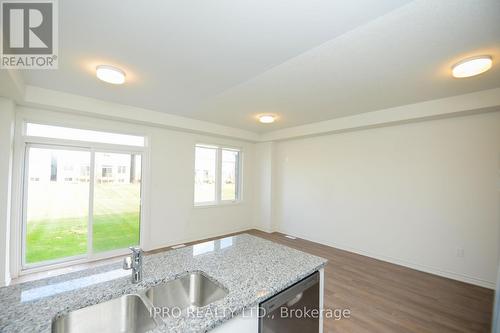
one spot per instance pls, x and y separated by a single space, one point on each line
263 186
7 119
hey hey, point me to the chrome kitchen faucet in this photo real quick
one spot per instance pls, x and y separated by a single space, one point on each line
134 262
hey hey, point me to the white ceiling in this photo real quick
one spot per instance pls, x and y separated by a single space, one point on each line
226 61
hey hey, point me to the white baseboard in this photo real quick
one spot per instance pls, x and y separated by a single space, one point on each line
266 230
419 267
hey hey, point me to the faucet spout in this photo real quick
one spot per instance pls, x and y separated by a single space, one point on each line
134 262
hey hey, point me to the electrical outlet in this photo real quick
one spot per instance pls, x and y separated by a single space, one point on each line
460 252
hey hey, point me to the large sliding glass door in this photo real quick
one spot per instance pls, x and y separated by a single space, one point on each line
79 202
57 204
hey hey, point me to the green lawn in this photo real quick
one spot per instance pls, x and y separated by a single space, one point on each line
58 219
58 238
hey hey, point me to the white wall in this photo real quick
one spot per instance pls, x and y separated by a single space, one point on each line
6 149
263 180
411 194
172 217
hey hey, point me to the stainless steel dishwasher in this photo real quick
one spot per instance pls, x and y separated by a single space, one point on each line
294 310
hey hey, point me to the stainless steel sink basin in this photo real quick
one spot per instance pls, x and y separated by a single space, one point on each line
125 314
192 290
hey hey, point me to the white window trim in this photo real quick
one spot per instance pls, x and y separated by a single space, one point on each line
218 202
21 141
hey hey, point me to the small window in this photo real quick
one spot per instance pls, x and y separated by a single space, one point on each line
107 171
66 133
217 175
204 175
84 171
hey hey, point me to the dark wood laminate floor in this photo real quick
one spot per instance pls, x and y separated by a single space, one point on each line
384 297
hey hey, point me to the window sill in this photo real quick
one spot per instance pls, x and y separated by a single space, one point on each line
70 262
217 204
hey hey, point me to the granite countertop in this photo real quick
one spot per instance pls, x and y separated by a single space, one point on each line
250 268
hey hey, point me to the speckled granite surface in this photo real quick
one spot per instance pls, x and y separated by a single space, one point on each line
250 268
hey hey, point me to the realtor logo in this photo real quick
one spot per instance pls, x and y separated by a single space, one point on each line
29 34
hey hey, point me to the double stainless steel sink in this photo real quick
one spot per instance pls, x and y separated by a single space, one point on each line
136 312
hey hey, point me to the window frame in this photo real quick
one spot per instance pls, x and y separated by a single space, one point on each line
19 266
218 176
80 128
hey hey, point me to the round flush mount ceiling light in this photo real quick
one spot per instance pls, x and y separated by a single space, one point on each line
110 74
472 66
267 119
